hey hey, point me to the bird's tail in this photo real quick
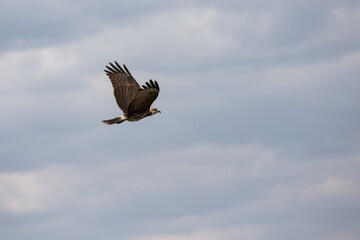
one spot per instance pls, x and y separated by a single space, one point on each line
115 120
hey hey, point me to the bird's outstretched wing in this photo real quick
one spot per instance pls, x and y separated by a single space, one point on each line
125 86
144 98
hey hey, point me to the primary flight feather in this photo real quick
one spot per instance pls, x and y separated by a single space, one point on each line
133 100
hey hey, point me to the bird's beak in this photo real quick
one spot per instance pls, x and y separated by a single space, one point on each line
159 111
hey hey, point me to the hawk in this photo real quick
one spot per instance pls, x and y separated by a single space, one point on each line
133 100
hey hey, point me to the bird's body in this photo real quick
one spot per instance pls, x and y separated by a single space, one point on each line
133 118
133 100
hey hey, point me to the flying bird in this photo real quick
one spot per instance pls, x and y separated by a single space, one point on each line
133 100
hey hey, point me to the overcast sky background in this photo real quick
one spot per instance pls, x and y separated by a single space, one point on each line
258 139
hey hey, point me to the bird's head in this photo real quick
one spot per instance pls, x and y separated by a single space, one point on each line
154 111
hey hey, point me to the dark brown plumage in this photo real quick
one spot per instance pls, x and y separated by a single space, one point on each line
133 100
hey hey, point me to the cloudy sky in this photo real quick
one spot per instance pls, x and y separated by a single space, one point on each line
258 139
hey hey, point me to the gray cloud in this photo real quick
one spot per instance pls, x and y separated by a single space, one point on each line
184 190
258 136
